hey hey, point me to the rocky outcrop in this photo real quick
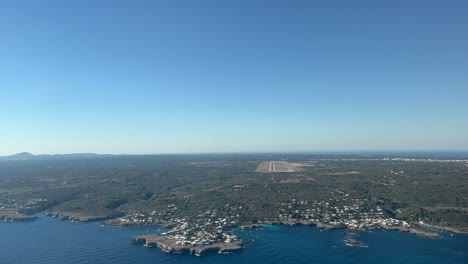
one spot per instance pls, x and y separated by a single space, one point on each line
171 245
459 230
329 226
78 217
249 226
420 232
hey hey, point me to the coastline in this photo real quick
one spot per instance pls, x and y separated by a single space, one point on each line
446 228
15 216
171 246
111 221
325 226
415 231
275 244
79 217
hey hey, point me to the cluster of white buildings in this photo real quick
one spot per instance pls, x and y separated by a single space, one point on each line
210 226
356 216
15 205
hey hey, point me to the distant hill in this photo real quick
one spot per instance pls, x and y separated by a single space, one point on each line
29 156
19 156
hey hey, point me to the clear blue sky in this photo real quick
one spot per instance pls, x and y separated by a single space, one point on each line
232 76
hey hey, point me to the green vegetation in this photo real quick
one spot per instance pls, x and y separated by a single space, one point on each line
170 187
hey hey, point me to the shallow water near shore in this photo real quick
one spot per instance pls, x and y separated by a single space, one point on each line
49 240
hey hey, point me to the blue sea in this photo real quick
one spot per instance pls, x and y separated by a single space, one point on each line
48 240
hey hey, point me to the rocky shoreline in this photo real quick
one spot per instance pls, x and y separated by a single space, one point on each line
326 226
415 231
108 220
78 217
15 216
171 245
446 228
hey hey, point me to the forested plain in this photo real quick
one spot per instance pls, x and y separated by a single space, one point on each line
183 186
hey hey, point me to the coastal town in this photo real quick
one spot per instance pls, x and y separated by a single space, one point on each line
202 202
213 230
321 213
209 230
324 214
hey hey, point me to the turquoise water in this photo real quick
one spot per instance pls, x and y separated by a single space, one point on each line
49 240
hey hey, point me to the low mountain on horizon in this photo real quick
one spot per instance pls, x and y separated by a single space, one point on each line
29 156
21 155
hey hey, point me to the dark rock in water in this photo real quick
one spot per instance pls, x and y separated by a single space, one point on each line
249 226
351 241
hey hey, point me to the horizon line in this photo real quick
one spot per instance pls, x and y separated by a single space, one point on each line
241 152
